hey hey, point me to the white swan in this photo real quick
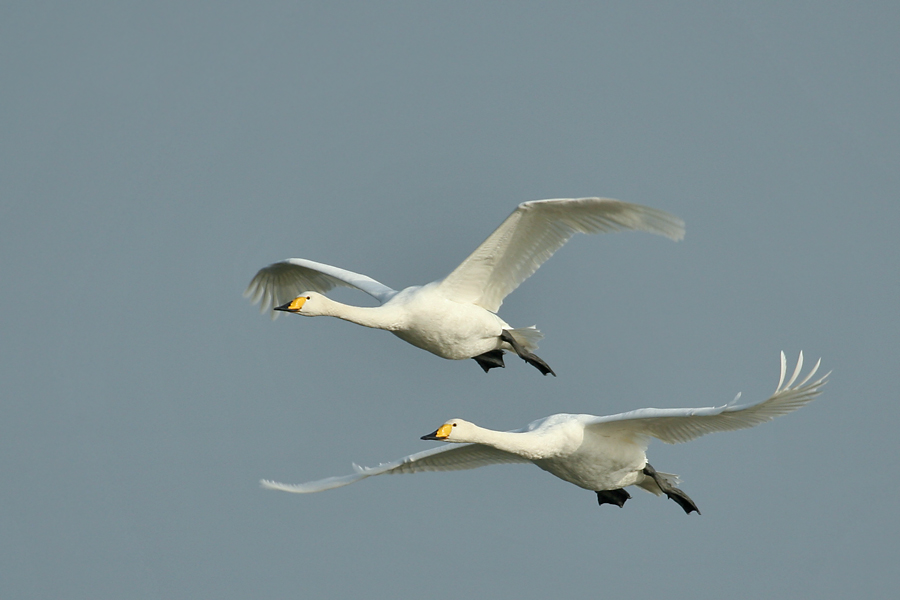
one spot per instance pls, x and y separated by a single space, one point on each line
602 454
455 317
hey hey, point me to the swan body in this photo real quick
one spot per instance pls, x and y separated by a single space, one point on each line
601 454
455 317
425 318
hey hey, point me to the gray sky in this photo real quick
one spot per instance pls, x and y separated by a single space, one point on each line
154 155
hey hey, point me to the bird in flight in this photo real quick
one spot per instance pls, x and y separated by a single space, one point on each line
601 454
455 317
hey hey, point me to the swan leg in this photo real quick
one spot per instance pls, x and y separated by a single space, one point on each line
490 360
617 497
672 492
525 355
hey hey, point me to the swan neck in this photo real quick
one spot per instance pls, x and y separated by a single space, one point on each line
501 440
367 316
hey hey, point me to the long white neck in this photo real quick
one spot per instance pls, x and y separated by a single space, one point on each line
522 444
377 317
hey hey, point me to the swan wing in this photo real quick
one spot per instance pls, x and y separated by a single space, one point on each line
533 232
449 458
283 281
677 425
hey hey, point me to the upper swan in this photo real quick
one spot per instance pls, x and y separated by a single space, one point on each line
455 317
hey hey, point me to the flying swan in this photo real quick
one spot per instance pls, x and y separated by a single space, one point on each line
455 317
601 454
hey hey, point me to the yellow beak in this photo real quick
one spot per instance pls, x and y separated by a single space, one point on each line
442 433
293 306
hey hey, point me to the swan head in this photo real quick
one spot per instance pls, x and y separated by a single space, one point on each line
308 304
454 430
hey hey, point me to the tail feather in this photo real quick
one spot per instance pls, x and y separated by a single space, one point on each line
650 485
528 337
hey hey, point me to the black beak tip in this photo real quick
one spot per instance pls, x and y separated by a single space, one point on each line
283 307
430 436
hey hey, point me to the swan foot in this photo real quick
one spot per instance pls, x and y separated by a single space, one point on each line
532 359
490 360
672 492
617 497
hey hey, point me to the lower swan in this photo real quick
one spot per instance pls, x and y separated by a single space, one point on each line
601 454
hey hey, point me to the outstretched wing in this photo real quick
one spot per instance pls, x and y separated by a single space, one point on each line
449 458
684 424
533 232
283 281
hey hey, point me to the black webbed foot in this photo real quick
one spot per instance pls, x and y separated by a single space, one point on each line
617 497
490 360
672 492
532 359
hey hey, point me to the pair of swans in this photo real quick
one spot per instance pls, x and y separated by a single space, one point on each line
455 317
601 454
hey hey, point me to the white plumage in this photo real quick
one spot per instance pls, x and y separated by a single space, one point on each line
454 317
602 454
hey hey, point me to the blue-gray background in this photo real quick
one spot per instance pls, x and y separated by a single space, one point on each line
154 155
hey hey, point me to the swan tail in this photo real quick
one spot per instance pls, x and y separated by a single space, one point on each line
649 484
528 337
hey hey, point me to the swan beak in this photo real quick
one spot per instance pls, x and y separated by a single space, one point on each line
442 433
293 306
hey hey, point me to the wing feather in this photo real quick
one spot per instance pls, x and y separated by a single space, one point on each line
283 281
447 458
537 229
678 425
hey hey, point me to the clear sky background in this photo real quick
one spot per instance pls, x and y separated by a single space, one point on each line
154 155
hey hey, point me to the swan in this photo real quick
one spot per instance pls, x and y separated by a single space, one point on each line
455 317
601 454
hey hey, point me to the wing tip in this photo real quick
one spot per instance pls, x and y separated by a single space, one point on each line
268 484
804 388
